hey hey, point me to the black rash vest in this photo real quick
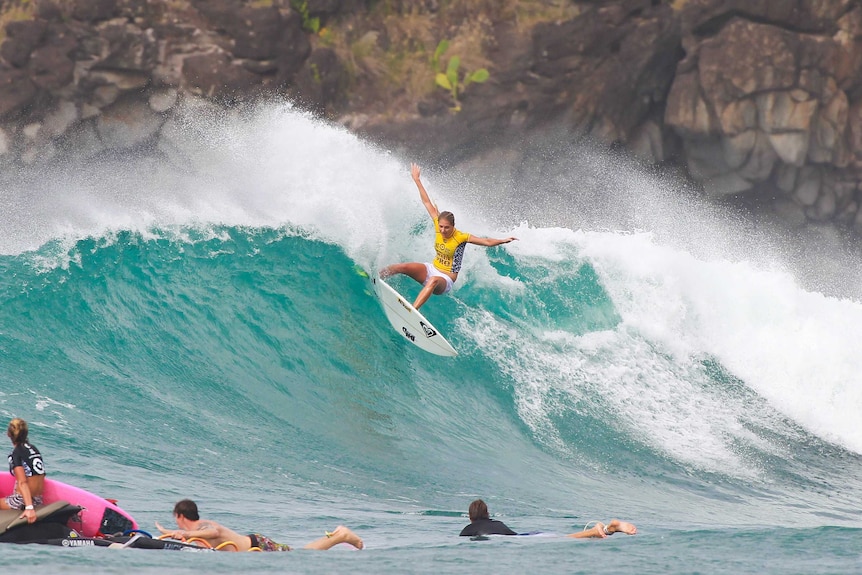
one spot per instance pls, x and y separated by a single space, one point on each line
26 456
486 527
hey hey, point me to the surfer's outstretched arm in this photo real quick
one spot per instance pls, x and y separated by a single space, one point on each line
489 242
426 201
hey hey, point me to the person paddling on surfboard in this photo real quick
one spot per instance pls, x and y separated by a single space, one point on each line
449 243
481 524
191 526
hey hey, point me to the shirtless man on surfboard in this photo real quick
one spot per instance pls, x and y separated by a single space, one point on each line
192 527
439 277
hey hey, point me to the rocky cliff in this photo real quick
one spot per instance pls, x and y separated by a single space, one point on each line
759 99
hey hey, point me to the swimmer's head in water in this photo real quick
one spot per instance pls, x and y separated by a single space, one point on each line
478 510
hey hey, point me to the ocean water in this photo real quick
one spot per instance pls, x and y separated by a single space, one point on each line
194 321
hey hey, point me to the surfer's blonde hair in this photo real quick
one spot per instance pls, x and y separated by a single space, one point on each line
448 216
18 431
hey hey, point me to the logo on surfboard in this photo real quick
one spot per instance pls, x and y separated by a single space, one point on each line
408 335
429 331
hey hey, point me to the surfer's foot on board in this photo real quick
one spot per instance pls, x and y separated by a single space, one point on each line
617 526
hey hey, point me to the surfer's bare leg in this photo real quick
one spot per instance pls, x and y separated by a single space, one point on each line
435 285
341 535
600 530
597 531
415 270
617 526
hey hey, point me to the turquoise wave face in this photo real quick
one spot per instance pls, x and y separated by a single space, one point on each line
230 350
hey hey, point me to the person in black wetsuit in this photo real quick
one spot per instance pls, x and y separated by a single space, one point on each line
482 524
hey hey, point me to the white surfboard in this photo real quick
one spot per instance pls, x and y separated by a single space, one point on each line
407 321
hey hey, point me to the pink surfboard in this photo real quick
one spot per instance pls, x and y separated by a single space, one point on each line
99 516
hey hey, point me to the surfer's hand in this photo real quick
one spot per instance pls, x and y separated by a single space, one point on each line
30 515
414 171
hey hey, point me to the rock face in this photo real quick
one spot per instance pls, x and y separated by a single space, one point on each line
762 103
116 68
757 99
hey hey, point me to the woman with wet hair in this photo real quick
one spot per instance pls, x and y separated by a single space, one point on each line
25 463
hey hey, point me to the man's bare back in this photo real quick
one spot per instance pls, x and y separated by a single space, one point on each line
191 526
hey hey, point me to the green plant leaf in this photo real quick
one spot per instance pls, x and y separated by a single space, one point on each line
454 63
479 76
443 81
452 69
441 49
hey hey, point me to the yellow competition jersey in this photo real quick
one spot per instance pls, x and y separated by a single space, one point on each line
449 252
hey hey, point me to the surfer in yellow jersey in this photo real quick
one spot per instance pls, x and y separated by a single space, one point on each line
439 277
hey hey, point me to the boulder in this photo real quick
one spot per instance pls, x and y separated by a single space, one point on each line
746 58
123 79
703 16
254 29
791 147
738 148
22 37
738 116
706 159
127 47
686 110
779 111
321 81
163 100
256 33
51 68
828 132
93 10
808 185
58 120
127 124
761 159
214 75
51 65
647 143
854 130
16 90
221 13
292 50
